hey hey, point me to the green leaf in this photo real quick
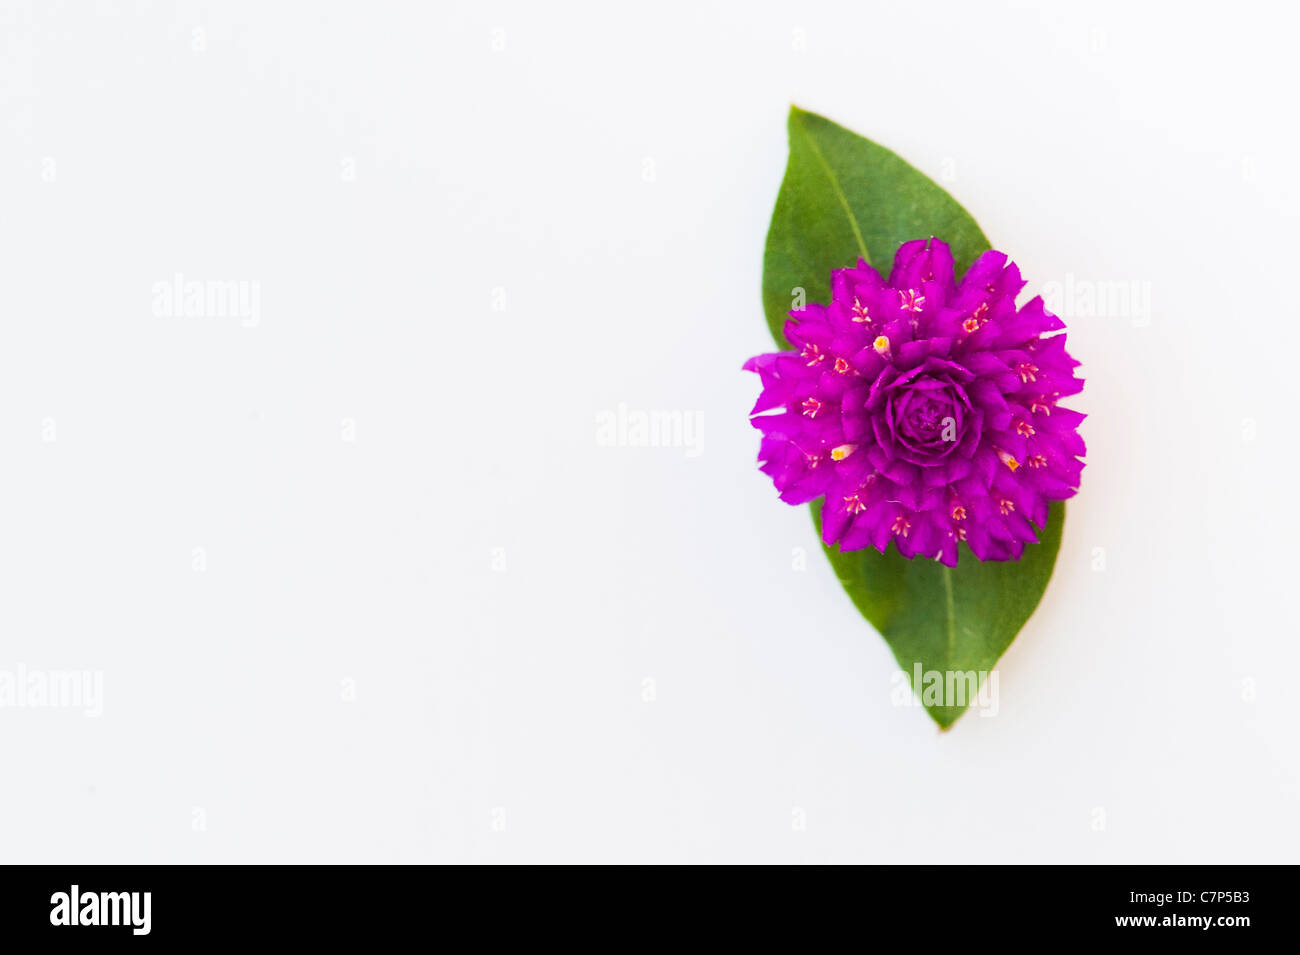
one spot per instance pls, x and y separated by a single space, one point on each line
948 620
845 197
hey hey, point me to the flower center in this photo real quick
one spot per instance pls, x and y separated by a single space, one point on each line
927 415
924 418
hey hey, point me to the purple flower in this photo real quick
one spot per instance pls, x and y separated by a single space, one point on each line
923 409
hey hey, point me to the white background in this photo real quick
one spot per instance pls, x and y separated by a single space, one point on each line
354 677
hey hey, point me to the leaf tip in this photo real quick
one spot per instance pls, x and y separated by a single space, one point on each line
945 720
799 114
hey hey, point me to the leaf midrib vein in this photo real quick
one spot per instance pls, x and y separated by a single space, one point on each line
839 192
952 615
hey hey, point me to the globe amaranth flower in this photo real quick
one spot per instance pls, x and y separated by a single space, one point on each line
923 409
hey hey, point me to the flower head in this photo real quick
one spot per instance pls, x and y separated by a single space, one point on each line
925 410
